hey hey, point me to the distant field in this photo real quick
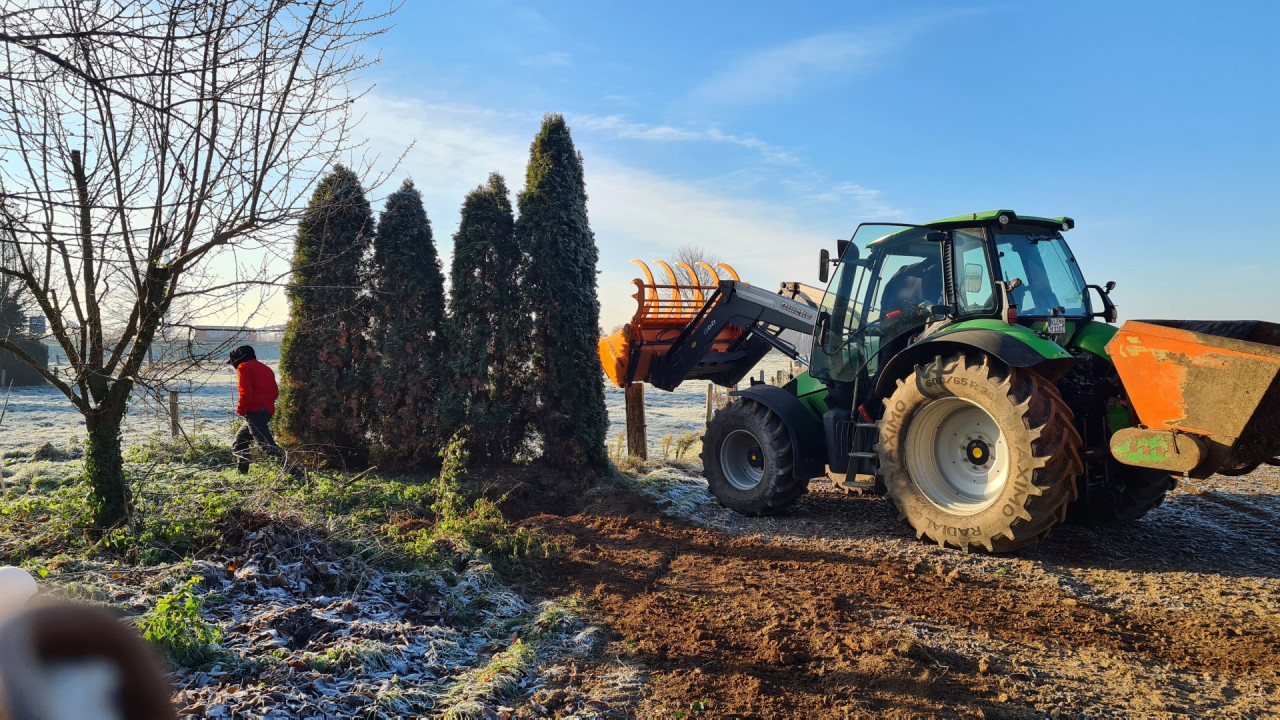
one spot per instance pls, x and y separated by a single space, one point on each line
207 400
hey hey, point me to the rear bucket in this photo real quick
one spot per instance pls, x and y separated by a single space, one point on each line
1218 380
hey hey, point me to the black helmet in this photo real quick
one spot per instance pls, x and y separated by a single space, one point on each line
242 353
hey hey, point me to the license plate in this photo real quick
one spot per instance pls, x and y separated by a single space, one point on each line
1057 325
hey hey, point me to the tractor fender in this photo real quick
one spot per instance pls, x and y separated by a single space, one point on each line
1005 347
807 440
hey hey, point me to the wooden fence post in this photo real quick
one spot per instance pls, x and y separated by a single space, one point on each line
637 443
174 429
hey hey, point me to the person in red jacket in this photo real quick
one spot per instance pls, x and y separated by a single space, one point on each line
257 403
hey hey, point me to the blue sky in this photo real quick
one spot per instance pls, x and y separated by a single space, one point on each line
763 131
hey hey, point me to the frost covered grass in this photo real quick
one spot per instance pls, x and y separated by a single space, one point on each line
342 594
679 490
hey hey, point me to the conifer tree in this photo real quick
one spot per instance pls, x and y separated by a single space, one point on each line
408 314
489 340
324 349
561 291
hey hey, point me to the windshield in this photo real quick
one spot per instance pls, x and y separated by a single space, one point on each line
1051 280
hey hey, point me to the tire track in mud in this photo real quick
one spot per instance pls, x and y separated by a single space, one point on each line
1264 509
808 627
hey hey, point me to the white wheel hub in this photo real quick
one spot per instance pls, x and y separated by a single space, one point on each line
957 456
742 460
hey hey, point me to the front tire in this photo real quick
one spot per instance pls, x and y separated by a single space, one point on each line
978 456
747 459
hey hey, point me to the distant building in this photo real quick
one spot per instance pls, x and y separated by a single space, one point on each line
223 333
271 333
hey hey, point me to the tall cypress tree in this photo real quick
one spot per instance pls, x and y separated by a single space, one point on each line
489 328
561 289
324 347
408 314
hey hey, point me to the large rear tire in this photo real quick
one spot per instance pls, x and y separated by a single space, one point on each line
1109 492
747 459
978 456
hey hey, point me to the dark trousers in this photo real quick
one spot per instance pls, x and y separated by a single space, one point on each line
256 428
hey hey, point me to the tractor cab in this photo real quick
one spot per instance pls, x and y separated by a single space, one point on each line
918 282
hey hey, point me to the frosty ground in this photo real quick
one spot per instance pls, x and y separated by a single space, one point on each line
337 597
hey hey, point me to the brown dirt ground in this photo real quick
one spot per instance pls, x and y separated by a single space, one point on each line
834 610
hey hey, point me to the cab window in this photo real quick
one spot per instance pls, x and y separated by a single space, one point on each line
975 292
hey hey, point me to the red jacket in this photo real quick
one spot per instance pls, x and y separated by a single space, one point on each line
257 386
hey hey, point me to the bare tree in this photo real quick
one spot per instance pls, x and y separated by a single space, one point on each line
155 152
690 255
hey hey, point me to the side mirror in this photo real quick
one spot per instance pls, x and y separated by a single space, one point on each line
937 236
1111 285
1109 312
842 246
824 263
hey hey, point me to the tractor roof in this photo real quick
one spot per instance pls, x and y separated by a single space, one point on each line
1058 223
1003 217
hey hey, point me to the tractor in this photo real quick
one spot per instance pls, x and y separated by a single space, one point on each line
965 369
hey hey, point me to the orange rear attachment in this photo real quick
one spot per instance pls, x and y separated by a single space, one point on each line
664 310
1218 381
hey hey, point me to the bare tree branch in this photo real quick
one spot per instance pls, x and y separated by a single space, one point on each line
154 142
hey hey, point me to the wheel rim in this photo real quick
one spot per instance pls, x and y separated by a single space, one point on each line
742 460
957 456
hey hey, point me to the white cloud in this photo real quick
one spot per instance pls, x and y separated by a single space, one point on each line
779 71
637 214
863 202
634 213
782 70
548 60
620 126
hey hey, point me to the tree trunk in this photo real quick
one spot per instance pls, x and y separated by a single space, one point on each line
104 467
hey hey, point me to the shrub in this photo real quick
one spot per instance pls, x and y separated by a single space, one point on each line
323 352
408 312
554 234
489 390
175 626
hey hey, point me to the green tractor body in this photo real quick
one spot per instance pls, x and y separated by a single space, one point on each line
963 368
960 367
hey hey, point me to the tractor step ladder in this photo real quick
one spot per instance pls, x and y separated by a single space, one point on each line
855 481
859 428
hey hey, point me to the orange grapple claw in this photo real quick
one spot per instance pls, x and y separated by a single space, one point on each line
663 310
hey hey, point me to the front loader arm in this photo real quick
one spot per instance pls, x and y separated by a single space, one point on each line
762 314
